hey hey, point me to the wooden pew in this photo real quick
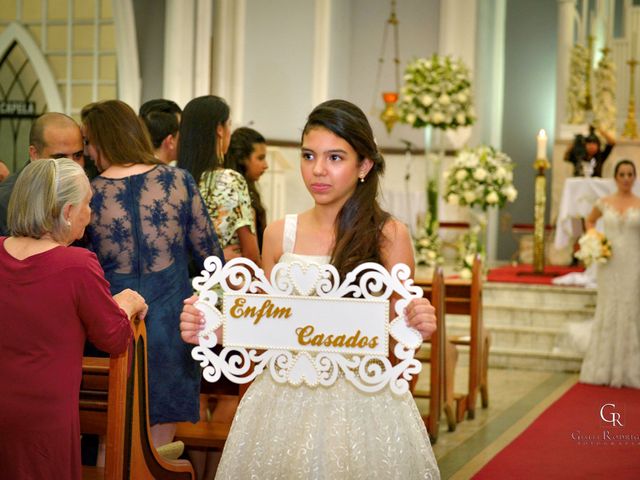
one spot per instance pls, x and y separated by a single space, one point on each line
464 297
114 402
442 358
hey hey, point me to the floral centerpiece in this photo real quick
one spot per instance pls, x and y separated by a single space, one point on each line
428 248
480 177
577 88
594 248
468 246
437 93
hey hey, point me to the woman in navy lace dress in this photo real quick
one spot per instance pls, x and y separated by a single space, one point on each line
147 219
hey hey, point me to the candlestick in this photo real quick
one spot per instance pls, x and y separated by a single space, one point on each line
630 125
542 144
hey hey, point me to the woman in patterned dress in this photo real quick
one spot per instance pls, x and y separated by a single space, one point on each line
248 155
205 131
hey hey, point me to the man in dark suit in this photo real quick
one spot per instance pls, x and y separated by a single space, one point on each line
52 135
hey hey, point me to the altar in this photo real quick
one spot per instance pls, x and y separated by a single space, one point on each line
579 194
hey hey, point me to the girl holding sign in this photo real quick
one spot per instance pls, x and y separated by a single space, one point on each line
284 431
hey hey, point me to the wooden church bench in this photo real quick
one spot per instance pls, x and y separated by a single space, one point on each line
464 297
442 358
114 402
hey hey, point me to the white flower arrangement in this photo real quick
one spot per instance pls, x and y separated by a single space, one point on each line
468 246
594 248
429 249
436 92
604 106
480 177
577 88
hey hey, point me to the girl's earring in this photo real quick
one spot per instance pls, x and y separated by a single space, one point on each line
361 179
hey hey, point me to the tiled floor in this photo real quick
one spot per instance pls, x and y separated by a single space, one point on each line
516 398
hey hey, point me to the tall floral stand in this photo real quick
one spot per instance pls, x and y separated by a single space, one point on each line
434 161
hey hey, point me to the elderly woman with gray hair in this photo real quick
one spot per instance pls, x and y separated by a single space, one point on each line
53 297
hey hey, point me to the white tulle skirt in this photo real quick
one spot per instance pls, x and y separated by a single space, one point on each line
287 432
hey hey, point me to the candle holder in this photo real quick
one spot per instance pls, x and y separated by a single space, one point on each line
541 165
630 125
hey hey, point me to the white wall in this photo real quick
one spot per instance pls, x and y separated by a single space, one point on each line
278 66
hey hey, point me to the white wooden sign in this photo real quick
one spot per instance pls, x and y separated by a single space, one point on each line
311 326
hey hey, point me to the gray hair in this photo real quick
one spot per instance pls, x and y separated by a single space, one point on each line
41 192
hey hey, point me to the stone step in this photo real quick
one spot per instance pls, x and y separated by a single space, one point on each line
526 359
513 294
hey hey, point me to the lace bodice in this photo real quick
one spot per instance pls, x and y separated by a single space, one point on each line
623 231
143 223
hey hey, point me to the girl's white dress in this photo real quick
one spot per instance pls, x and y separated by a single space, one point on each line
282 431
613 355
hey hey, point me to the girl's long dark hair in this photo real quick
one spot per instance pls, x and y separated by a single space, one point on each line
198 144
241 147
360 222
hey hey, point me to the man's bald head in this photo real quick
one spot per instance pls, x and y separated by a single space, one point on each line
56 135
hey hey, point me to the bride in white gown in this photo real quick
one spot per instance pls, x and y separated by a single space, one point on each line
613 355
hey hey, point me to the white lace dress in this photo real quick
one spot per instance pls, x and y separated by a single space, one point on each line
613 355
286 432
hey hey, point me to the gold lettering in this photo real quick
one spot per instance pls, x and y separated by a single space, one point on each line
363 342
352 341
303 333
373 343
236 311
328 342
279 312
339 341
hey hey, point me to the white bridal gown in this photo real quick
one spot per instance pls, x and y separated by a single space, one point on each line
338 432
613 355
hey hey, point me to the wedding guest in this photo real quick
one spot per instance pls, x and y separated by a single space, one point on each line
52 135
53 297
286 431
147 219
205 131
613 355
162 119
586 153
247 154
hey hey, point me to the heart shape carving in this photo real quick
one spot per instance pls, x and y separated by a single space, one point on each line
303 370
304 277
212 321
404 334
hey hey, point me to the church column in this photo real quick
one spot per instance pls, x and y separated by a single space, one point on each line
566 16
321 51
202 48
178 51
229 55
129 82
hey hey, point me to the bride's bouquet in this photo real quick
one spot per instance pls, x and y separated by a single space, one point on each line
594 248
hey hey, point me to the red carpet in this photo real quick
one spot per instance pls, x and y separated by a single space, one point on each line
524 274
571 440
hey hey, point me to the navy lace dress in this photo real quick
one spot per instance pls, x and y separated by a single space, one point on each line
143 228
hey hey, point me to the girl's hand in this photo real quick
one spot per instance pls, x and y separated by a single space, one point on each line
191 321
421 315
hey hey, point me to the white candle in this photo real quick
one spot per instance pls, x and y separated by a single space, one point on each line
542 145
